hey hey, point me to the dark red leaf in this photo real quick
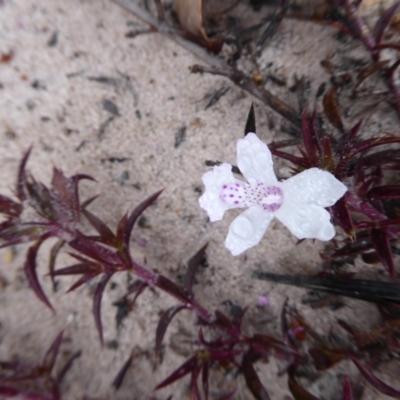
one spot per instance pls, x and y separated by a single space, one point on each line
10 207
42 200
309 143
384 21
188 366
380 241
163 324
52 259
224 323
30 271
264 344
172 288
331 109
67 366
347 390
117 382
77 269
75 193
365 185
100 226
97 302
121 228
87 246
384 192
298 392
9 391
367 144
194 387
82 280
342 215
374 380
136 214
64 191
253 381
378 224
324 358
21 179
14 233
191 269
205 377
51 354
300 161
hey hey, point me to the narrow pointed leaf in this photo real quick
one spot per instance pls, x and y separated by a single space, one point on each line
172 288
163 324
99 225
9 207
381 157
21 179
84 245
342 215
187 367
368 144
77 269
205 378
98 294
384 21
384 192
349 138
347 390
381 243
374 380
136 214
252 379
300 161
9 391
52 259
30 271
67 366
191 269
117 382
194 387
89 201
331 109
82 280
251 121
51 354
298 392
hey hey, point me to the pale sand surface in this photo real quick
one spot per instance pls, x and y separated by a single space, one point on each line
158 97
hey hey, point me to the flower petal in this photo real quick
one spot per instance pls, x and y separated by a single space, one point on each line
313 186
214 181
247 229
306 221
254 160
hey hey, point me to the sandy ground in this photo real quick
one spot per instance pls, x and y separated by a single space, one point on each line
49 99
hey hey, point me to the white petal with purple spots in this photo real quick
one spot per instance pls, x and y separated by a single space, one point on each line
297 202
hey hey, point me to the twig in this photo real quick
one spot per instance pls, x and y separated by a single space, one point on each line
246 83
218 66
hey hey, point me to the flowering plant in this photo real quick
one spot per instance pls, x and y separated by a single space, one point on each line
299 202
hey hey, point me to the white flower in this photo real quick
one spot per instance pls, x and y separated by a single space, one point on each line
297 202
